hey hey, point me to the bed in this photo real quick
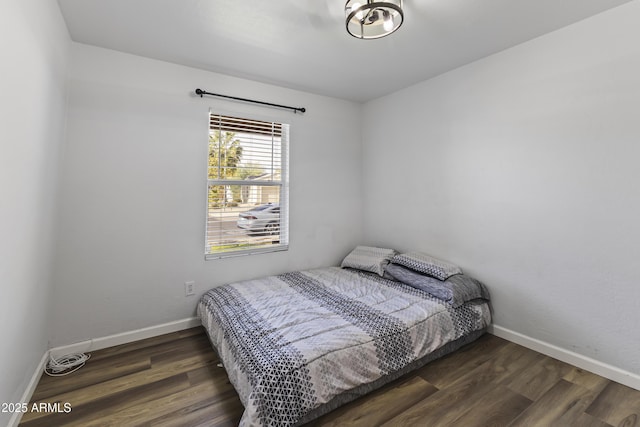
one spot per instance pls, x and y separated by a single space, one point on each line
298 345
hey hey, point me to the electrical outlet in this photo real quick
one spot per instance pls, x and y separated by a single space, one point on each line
189 288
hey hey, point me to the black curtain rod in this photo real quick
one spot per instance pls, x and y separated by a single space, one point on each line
295 109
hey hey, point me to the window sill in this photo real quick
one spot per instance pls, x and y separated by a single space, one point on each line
254 251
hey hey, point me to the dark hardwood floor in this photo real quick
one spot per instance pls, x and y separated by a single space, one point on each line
173 380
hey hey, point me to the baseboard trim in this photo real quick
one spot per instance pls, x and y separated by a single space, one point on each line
125 337
31 388
588 364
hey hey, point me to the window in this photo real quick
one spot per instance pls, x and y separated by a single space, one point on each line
247 191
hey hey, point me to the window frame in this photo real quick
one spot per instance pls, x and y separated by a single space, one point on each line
283 184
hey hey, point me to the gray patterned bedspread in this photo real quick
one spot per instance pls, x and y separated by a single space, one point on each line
296 342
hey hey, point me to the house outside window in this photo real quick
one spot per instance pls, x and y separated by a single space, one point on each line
247 187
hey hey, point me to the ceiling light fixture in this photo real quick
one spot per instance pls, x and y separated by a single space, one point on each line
373 19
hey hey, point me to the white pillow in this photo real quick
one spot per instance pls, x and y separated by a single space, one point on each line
369 258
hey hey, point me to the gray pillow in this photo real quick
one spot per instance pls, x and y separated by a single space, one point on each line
456 290
369 258
427 264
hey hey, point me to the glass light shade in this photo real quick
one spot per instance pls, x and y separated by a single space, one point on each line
367 19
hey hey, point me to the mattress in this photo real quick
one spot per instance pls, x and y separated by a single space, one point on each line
300 344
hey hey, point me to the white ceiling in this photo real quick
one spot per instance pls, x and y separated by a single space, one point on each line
303 44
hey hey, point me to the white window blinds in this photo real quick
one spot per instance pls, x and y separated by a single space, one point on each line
247 192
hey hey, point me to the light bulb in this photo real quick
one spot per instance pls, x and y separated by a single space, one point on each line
388 21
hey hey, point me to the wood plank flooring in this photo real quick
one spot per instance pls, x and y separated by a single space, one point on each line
173 380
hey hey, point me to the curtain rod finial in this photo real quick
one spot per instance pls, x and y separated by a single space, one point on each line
200 92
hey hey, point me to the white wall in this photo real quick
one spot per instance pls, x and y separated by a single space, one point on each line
523 169
134 188
34 43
